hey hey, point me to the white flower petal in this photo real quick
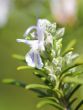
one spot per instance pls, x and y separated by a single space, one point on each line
41 46
41 28
29 30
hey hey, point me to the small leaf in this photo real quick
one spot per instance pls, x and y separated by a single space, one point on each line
14 82
71 75
60 32
68 68
39 75
24 67
67 51
79 105
71 102
8 81
42 76
31 86
18 57
73 80
45 102
23 85
40 93
70 45
73 91
54 99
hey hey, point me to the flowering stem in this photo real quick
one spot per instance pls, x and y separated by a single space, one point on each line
48 63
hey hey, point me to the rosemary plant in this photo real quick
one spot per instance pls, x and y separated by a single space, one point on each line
57 70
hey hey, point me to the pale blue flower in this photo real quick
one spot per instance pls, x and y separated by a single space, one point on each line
41 33
33 58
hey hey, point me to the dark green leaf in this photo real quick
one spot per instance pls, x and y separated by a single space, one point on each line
79 105
73 91
71 102
42 76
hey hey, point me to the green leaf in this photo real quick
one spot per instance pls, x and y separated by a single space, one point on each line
39 75
40 93
54 99
45 102
71 102
8 81
29 67
14 82
67 51
68 68
18 57
71 75
79 105
70 45
23 85
76 80
42 76
31 86
73 91
24 67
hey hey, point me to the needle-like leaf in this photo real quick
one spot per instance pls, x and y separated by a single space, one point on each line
50 102
79 105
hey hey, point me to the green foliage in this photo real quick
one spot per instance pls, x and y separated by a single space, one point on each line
18 57
14 82
77 80
32 86
60 74
69 46
49 102
79 105
24 67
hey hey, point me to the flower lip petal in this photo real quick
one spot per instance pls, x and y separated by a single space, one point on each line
33 59
39 61
29 30
30 59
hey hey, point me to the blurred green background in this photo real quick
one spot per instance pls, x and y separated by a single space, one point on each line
23 14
